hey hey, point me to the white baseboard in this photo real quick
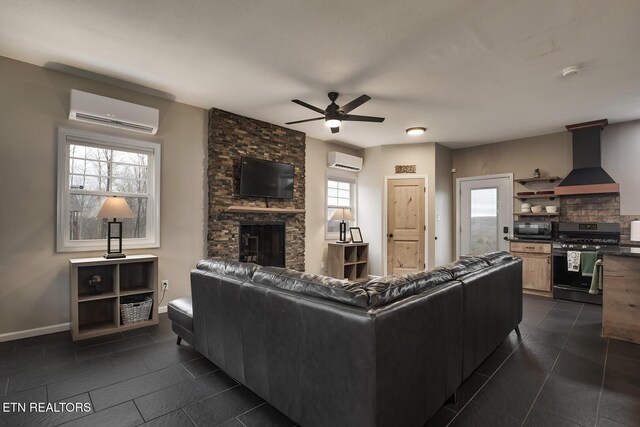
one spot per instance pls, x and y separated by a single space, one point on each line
162 309
10 336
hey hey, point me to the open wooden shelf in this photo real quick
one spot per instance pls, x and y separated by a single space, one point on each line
536 214
137 291
348 261
94 314
257 209
97 296
536 197
541 179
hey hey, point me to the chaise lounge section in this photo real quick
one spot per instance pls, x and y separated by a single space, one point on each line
328 352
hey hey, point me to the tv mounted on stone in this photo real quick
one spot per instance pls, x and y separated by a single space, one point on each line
265 178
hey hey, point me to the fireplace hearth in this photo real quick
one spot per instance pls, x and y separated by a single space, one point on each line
262 243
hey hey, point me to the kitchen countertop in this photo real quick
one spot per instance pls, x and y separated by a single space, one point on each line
628 252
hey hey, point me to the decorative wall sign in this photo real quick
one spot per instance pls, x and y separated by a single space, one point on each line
405 168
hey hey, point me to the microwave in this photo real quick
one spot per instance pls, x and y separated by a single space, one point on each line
539 230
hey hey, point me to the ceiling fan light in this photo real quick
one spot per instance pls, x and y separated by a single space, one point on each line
415 131
333 123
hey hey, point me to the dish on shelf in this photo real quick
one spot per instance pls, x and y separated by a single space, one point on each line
551 209
526 193
545 192
536 209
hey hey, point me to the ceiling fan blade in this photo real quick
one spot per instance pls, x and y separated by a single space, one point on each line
335 130
355 118
355 103
306 120
309 106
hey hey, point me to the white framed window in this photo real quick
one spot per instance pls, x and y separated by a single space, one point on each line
93 166
340 193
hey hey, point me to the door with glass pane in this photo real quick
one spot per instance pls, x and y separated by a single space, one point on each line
486 214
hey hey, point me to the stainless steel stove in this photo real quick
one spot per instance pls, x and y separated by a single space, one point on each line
582 237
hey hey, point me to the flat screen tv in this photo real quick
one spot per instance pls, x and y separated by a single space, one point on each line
264 178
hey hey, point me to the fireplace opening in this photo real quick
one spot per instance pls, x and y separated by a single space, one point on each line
262 243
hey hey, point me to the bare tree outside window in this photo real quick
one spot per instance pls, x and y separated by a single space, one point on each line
99 172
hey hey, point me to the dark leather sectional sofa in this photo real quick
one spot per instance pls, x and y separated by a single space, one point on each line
325 352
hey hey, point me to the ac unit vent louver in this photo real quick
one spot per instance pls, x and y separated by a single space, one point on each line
344 161
90 108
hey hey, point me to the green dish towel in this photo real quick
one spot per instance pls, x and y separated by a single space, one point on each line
587 263
596 280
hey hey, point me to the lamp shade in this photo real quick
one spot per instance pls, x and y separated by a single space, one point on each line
635 231
342 214
115 207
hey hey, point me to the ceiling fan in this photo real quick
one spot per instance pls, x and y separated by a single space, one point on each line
334 115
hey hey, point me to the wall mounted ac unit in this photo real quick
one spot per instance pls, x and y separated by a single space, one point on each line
100 110
344 161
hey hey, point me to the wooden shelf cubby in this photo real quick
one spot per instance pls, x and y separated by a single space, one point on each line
348 261
94 314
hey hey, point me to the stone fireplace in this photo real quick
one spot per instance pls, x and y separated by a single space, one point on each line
262 243
232 136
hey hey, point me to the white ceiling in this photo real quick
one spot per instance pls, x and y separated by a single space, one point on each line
471 71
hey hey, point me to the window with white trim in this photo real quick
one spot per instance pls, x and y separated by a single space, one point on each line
341 193
93 166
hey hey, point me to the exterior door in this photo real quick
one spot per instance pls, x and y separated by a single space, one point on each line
486 215
405 225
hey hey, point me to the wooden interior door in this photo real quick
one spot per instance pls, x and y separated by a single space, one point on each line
405 225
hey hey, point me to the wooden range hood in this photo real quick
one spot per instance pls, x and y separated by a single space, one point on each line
587 176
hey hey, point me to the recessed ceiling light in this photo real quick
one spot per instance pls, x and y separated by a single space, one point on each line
415 131
570 71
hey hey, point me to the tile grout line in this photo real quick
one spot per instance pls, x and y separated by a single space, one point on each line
500 366
249 410
546 378
240 421
604 372
137 409
187 415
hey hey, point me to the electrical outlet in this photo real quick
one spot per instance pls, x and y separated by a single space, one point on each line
165 285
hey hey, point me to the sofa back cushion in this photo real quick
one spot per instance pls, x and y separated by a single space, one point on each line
239 270
385 290
314 285
463 266
494 258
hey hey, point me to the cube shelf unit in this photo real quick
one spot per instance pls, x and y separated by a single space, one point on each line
349 261
95 314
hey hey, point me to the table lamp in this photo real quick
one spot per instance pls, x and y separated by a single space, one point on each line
342 214
114 207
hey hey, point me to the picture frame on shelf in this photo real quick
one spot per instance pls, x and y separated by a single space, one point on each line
356 234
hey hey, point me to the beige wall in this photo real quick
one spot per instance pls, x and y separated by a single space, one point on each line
34 102
370 183
551 153
316 172
444 206
379 163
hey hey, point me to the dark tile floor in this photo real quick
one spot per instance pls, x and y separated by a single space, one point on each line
561 373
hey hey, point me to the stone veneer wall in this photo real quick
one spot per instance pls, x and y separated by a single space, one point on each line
230 137
590 208
596 208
